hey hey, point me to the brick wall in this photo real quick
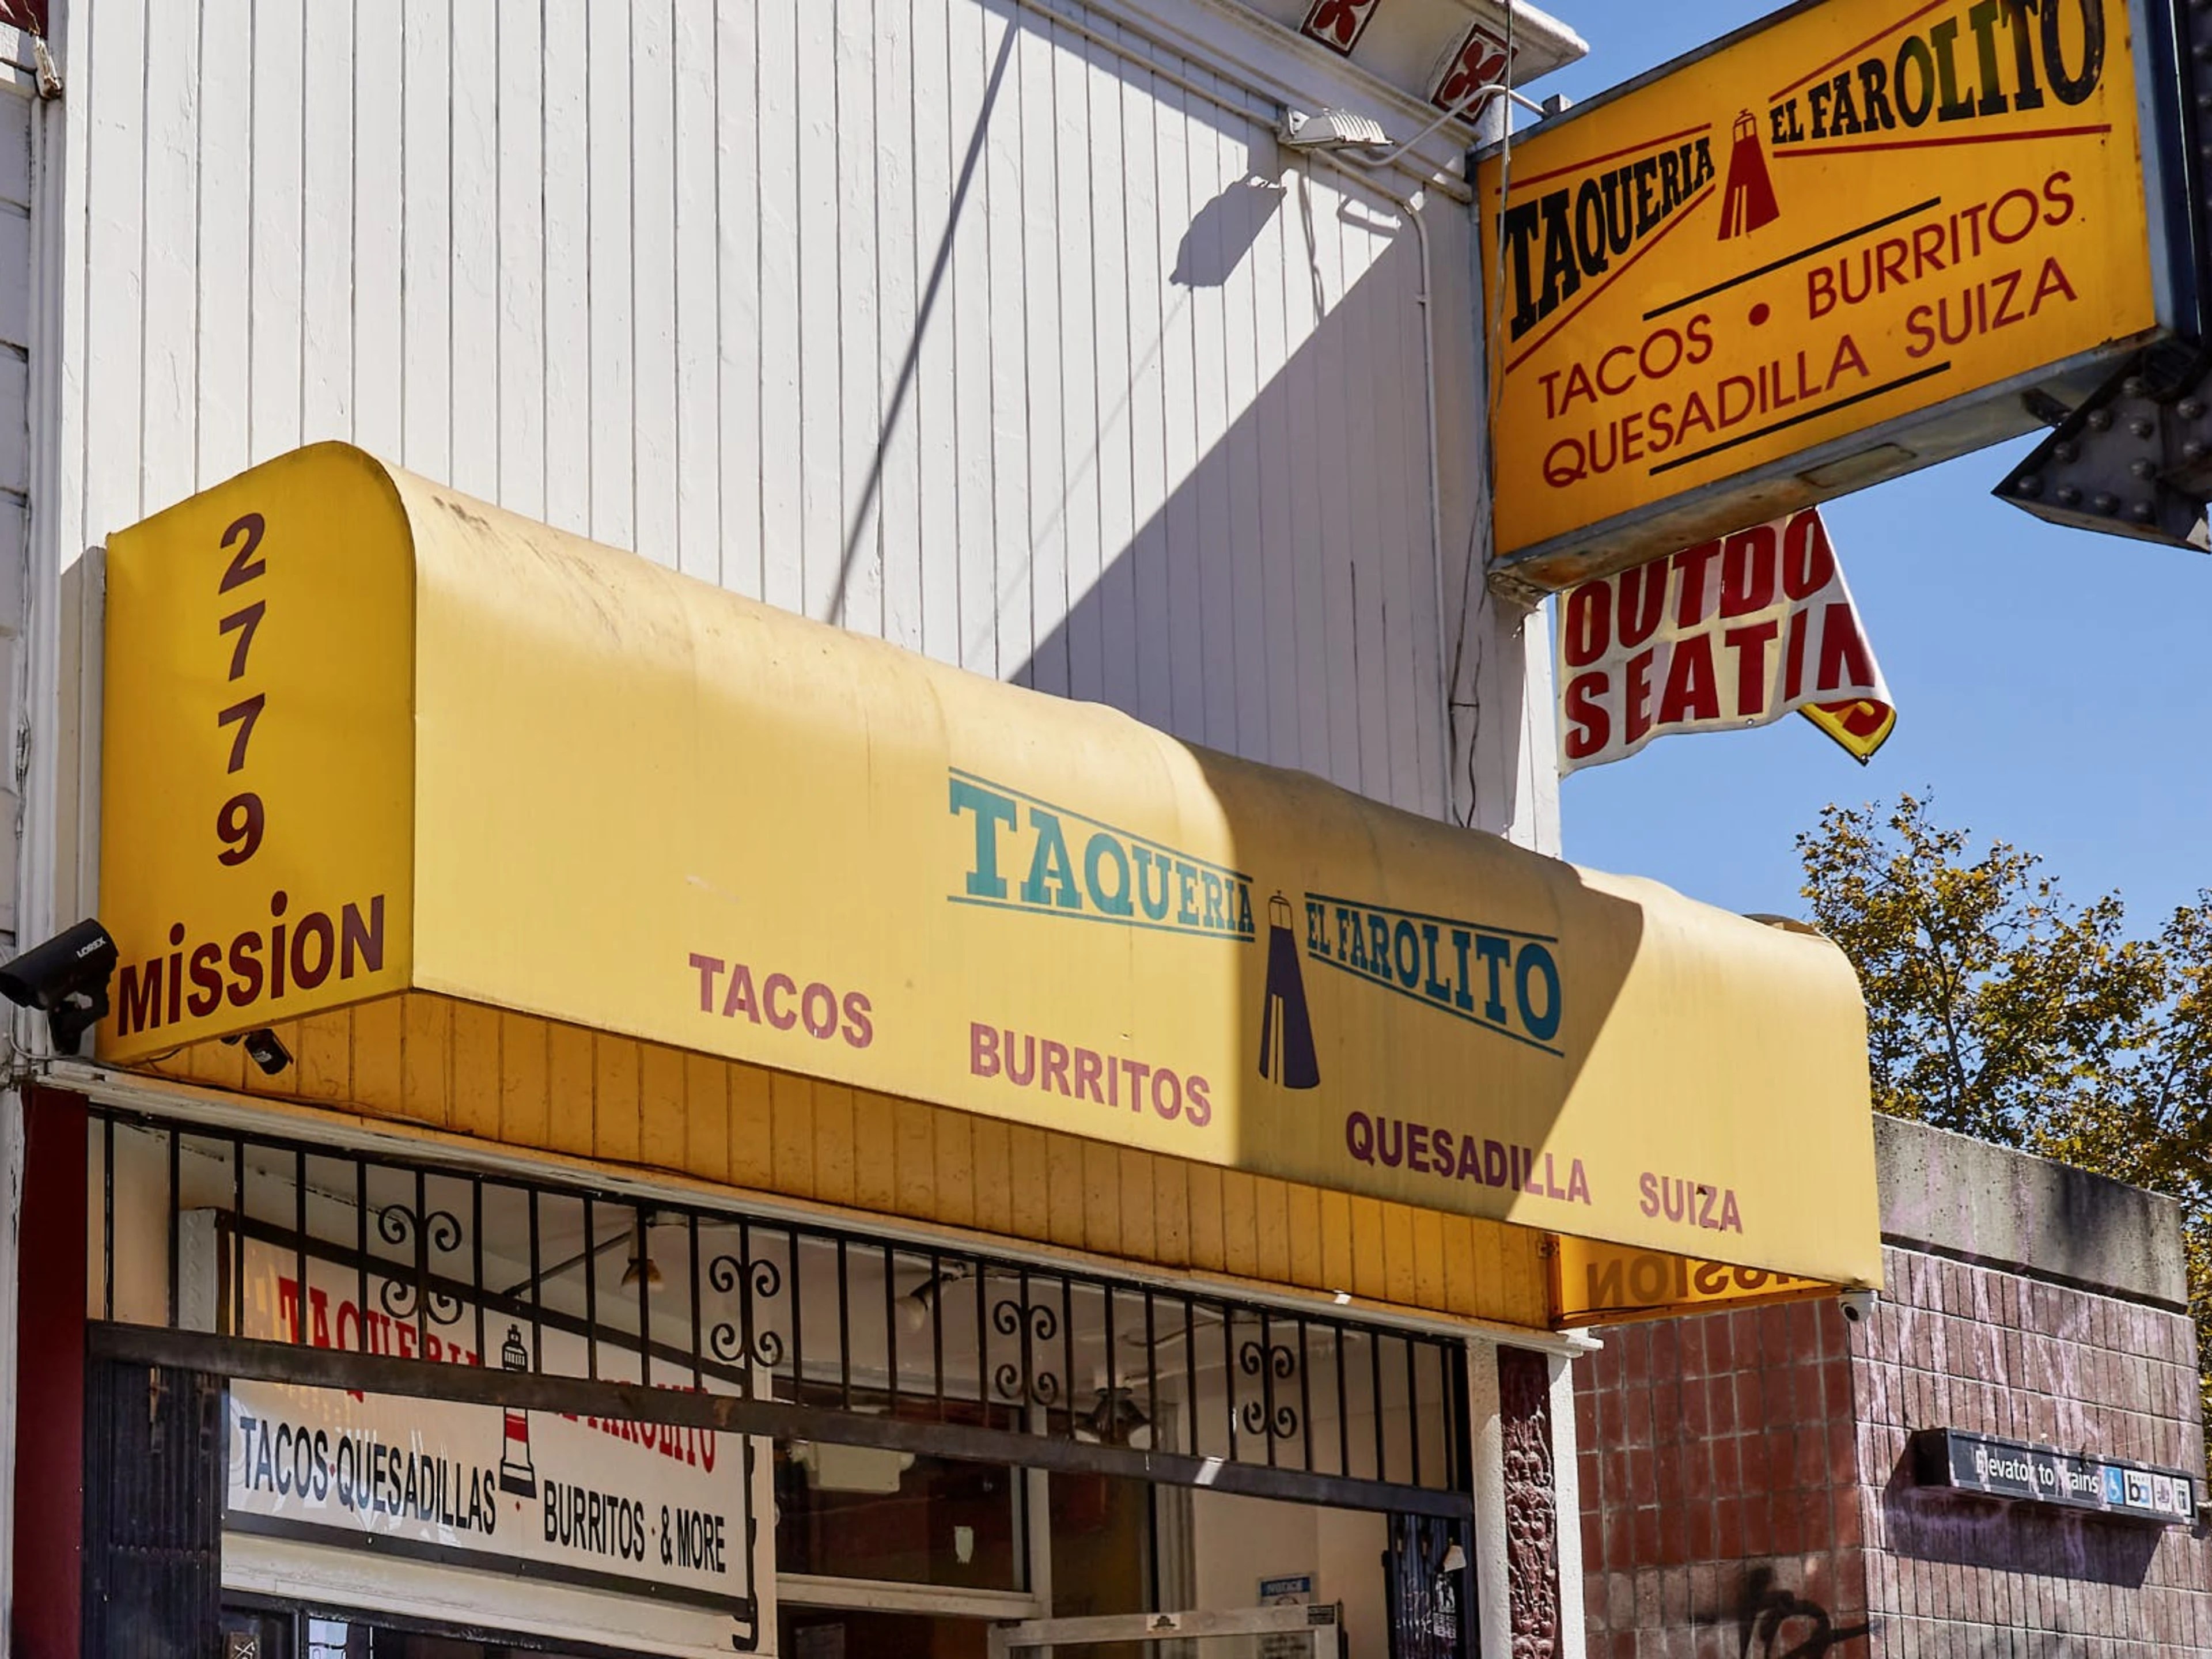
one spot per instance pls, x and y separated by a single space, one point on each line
1718 1468
1746 1490
2000 1354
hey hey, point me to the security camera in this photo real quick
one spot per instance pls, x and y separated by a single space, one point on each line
264 1048
1859 1305
66 979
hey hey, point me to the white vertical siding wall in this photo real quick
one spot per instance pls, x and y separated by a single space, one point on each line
934 318
16 312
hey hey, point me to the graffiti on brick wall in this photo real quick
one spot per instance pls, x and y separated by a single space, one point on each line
1776 1623
1524 1400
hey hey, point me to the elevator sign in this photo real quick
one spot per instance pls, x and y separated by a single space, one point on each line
1833 247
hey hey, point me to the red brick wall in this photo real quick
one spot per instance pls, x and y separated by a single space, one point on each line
1993 1353
1718 1473
1746 1491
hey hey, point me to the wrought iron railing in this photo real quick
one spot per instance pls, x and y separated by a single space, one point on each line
256 1236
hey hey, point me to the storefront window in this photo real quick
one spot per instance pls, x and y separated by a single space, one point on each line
862 1512
849 1633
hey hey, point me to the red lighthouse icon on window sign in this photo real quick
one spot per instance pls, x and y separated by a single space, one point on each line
1747 200
516 1475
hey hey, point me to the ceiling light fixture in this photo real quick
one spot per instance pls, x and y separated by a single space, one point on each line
642 1264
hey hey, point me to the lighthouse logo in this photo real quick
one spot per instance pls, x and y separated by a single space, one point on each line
516 1473
1286 1044
1747 201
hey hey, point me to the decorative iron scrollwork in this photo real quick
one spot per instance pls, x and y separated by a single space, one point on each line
1035 1323
400 1226
1272 1363
763 1282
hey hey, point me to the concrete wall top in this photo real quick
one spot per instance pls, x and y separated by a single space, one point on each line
1958 1196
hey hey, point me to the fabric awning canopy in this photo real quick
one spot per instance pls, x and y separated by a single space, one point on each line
364 735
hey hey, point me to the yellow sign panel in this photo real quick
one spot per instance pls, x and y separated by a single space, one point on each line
586 788
1835 247
257 759
1600 1284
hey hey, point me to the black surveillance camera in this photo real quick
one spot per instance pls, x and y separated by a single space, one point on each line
66 979
263 1048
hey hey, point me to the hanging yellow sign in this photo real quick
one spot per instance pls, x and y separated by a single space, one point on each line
1833 247
364 735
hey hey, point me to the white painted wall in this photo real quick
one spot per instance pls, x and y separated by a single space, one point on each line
993 327
17 102
1238 1541
18 90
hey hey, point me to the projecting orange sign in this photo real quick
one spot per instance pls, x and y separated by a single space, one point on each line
1835 247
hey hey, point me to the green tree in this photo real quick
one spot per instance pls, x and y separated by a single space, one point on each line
1998 1007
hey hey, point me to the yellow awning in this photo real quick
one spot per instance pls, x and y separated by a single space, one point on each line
364 735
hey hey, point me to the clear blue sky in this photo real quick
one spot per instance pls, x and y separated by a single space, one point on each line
2054 687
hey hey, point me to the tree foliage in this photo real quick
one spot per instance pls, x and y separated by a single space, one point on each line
1997 1007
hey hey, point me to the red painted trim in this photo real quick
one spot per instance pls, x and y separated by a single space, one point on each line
1612 154
1806 79
24 14
1937 143
50 1380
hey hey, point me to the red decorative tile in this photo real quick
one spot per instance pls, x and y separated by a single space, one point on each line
1666 1409
1751 1453
1815 1526
1720 1404
1643 1476
1780 1458
1849 1604
1480 60
1811 1383
1696 1418
1705 1530
1808 1463
1727 1464
1645 1527
1619 1532
1843 1452
1690 1334
1851 1525
1762 1525
1750 1401
1728 1523
1720 1348
1338 24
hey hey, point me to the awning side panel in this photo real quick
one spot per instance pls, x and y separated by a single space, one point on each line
257 769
